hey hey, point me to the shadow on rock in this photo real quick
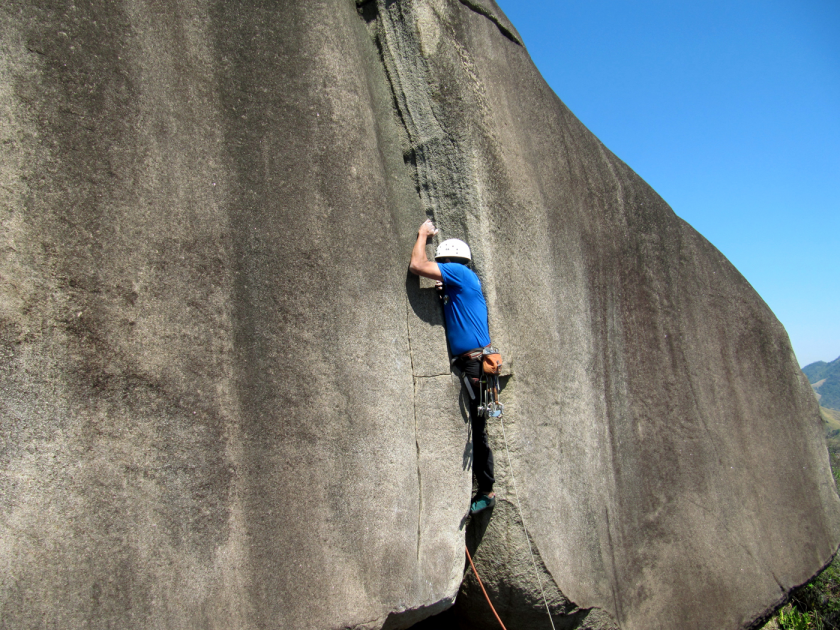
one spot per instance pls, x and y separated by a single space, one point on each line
498 545
476 528
424 302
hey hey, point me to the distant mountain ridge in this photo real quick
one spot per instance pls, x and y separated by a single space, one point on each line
825 379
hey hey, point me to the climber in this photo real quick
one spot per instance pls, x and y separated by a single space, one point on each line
465 313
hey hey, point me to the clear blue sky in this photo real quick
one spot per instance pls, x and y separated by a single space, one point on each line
731 111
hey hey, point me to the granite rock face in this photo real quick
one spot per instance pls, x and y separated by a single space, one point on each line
226 404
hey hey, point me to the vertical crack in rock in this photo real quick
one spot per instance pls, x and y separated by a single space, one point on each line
449 173
422 131
181 184
436 158
416 437
419 476
416 42
501 540
441 104
613 585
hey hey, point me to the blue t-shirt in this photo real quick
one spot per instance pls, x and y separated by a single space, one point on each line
464 308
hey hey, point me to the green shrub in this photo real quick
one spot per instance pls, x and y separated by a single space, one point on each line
816 606
791 619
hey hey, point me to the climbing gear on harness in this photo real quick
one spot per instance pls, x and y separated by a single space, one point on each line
469 557
469 387
456 368
473 355
488 385
453 248
491 362
482 503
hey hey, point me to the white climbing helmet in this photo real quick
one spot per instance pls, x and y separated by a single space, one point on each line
453 248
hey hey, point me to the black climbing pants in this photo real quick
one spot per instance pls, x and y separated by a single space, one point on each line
482 455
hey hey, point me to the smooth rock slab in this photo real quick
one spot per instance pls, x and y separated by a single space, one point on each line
225 403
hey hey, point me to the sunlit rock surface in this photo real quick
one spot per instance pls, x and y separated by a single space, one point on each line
225 403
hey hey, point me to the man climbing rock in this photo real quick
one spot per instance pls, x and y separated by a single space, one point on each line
465 312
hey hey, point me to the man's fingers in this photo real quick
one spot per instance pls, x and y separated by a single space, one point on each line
429 227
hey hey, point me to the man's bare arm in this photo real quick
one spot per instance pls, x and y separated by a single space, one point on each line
420 264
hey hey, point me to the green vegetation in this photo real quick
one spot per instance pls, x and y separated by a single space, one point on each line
791 619
829 392
831 418
816 606
828 377
818 371
831 422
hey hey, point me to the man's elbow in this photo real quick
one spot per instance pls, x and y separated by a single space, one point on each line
412 267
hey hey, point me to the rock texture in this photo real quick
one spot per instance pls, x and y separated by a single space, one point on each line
225 403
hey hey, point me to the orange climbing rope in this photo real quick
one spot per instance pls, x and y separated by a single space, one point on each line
469 557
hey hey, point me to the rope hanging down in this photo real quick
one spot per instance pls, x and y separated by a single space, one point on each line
491 408
482 588
527 537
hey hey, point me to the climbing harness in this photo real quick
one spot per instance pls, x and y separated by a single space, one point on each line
488 381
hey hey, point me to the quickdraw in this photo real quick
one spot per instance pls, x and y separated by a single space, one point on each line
488 385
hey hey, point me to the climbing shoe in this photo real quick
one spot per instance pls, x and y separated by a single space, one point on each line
482 502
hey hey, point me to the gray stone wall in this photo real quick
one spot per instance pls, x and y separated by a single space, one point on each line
226 404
